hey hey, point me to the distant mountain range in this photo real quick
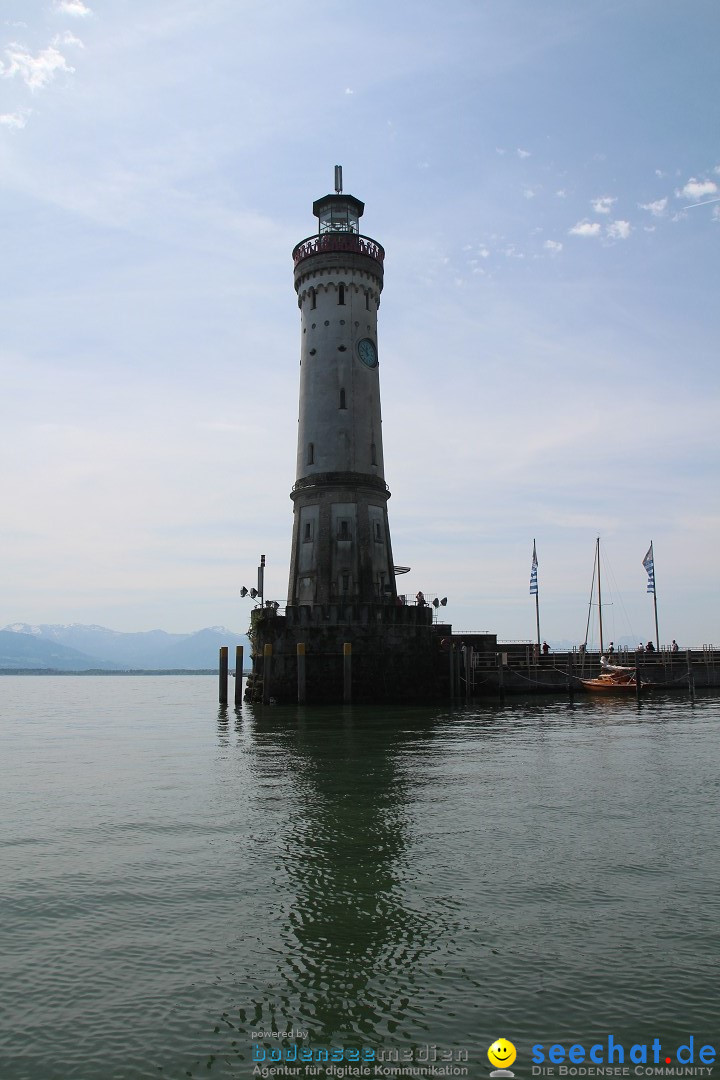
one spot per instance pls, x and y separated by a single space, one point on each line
84 648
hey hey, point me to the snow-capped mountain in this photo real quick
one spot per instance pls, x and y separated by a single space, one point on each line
98 646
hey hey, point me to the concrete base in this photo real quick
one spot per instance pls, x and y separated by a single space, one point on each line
395 654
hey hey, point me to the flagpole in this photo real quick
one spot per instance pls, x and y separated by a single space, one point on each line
657 632
534 591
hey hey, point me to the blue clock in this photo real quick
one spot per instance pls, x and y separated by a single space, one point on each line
367 352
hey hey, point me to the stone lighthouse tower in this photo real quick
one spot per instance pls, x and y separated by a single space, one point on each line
341 541
345 634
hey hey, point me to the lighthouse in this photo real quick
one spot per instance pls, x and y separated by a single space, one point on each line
345 634
341 548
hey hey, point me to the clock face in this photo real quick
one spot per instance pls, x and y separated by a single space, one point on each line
367 352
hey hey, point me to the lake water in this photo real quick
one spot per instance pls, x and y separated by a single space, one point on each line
176 878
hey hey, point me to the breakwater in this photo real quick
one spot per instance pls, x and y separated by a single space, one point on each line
518 669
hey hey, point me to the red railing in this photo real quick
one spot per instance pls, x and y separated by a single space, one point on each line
360 245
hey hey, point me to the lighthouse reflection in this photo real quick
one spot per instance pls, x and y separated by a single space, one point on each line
342 870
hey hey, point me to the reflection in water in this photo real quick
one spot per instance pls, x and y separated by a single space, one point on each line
344 919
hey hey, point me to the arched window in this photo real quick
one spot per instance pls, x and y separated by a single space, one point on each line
342 400
367 299
313 298
341 293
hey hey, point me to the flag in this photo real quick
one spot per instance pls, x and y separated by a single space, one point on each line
533 574
649 564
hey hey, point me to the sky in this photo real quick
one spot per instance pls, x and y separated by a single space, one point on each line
545 180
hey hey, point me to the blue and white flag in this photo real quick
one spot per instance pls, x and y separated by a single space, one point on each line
533 574
649 564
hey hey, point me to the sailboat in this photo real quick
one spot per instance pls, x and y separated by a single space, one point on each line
613 678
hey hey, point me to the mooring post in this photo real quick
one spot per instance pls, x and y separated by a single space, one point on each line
238 674
267 673
223 687
451 655
347 672
691 681
638 681
301 672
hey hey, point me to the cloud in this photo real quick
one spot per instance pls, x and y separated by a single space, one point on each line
72 7
657 208
348 90
529 193
716 213
696 189
604 204
35 71
67 39
586 228
553 246
619 230
561 194
523 153
15 121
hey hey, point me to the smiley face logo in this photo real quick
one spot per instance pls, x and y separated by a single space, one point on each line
502 1053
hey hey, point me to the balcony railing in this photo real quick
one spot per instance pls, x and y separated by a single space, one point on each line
359 245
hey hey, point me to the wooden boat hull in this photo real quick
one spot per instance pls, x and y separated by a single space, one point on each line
609 684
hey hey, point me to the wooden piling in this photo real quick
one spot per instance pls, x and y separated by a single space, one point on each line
347 672
451 655
301 672
690 679
267 673
238 674
638 681
223 672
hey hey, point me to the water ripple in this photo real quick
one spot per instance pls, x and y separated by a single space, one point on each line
173 883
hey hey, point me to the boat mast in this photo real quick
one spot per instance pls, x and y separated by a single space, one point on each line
592 593
597 558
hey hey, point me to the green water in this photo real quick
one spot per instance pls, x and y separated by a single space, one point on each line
176 878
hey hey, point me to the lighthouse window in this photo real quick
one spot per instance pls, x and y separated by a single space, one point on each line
313 298
342 400
344 533
341 293
346 583
311 454
378 531
367 300
308 530
373 454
